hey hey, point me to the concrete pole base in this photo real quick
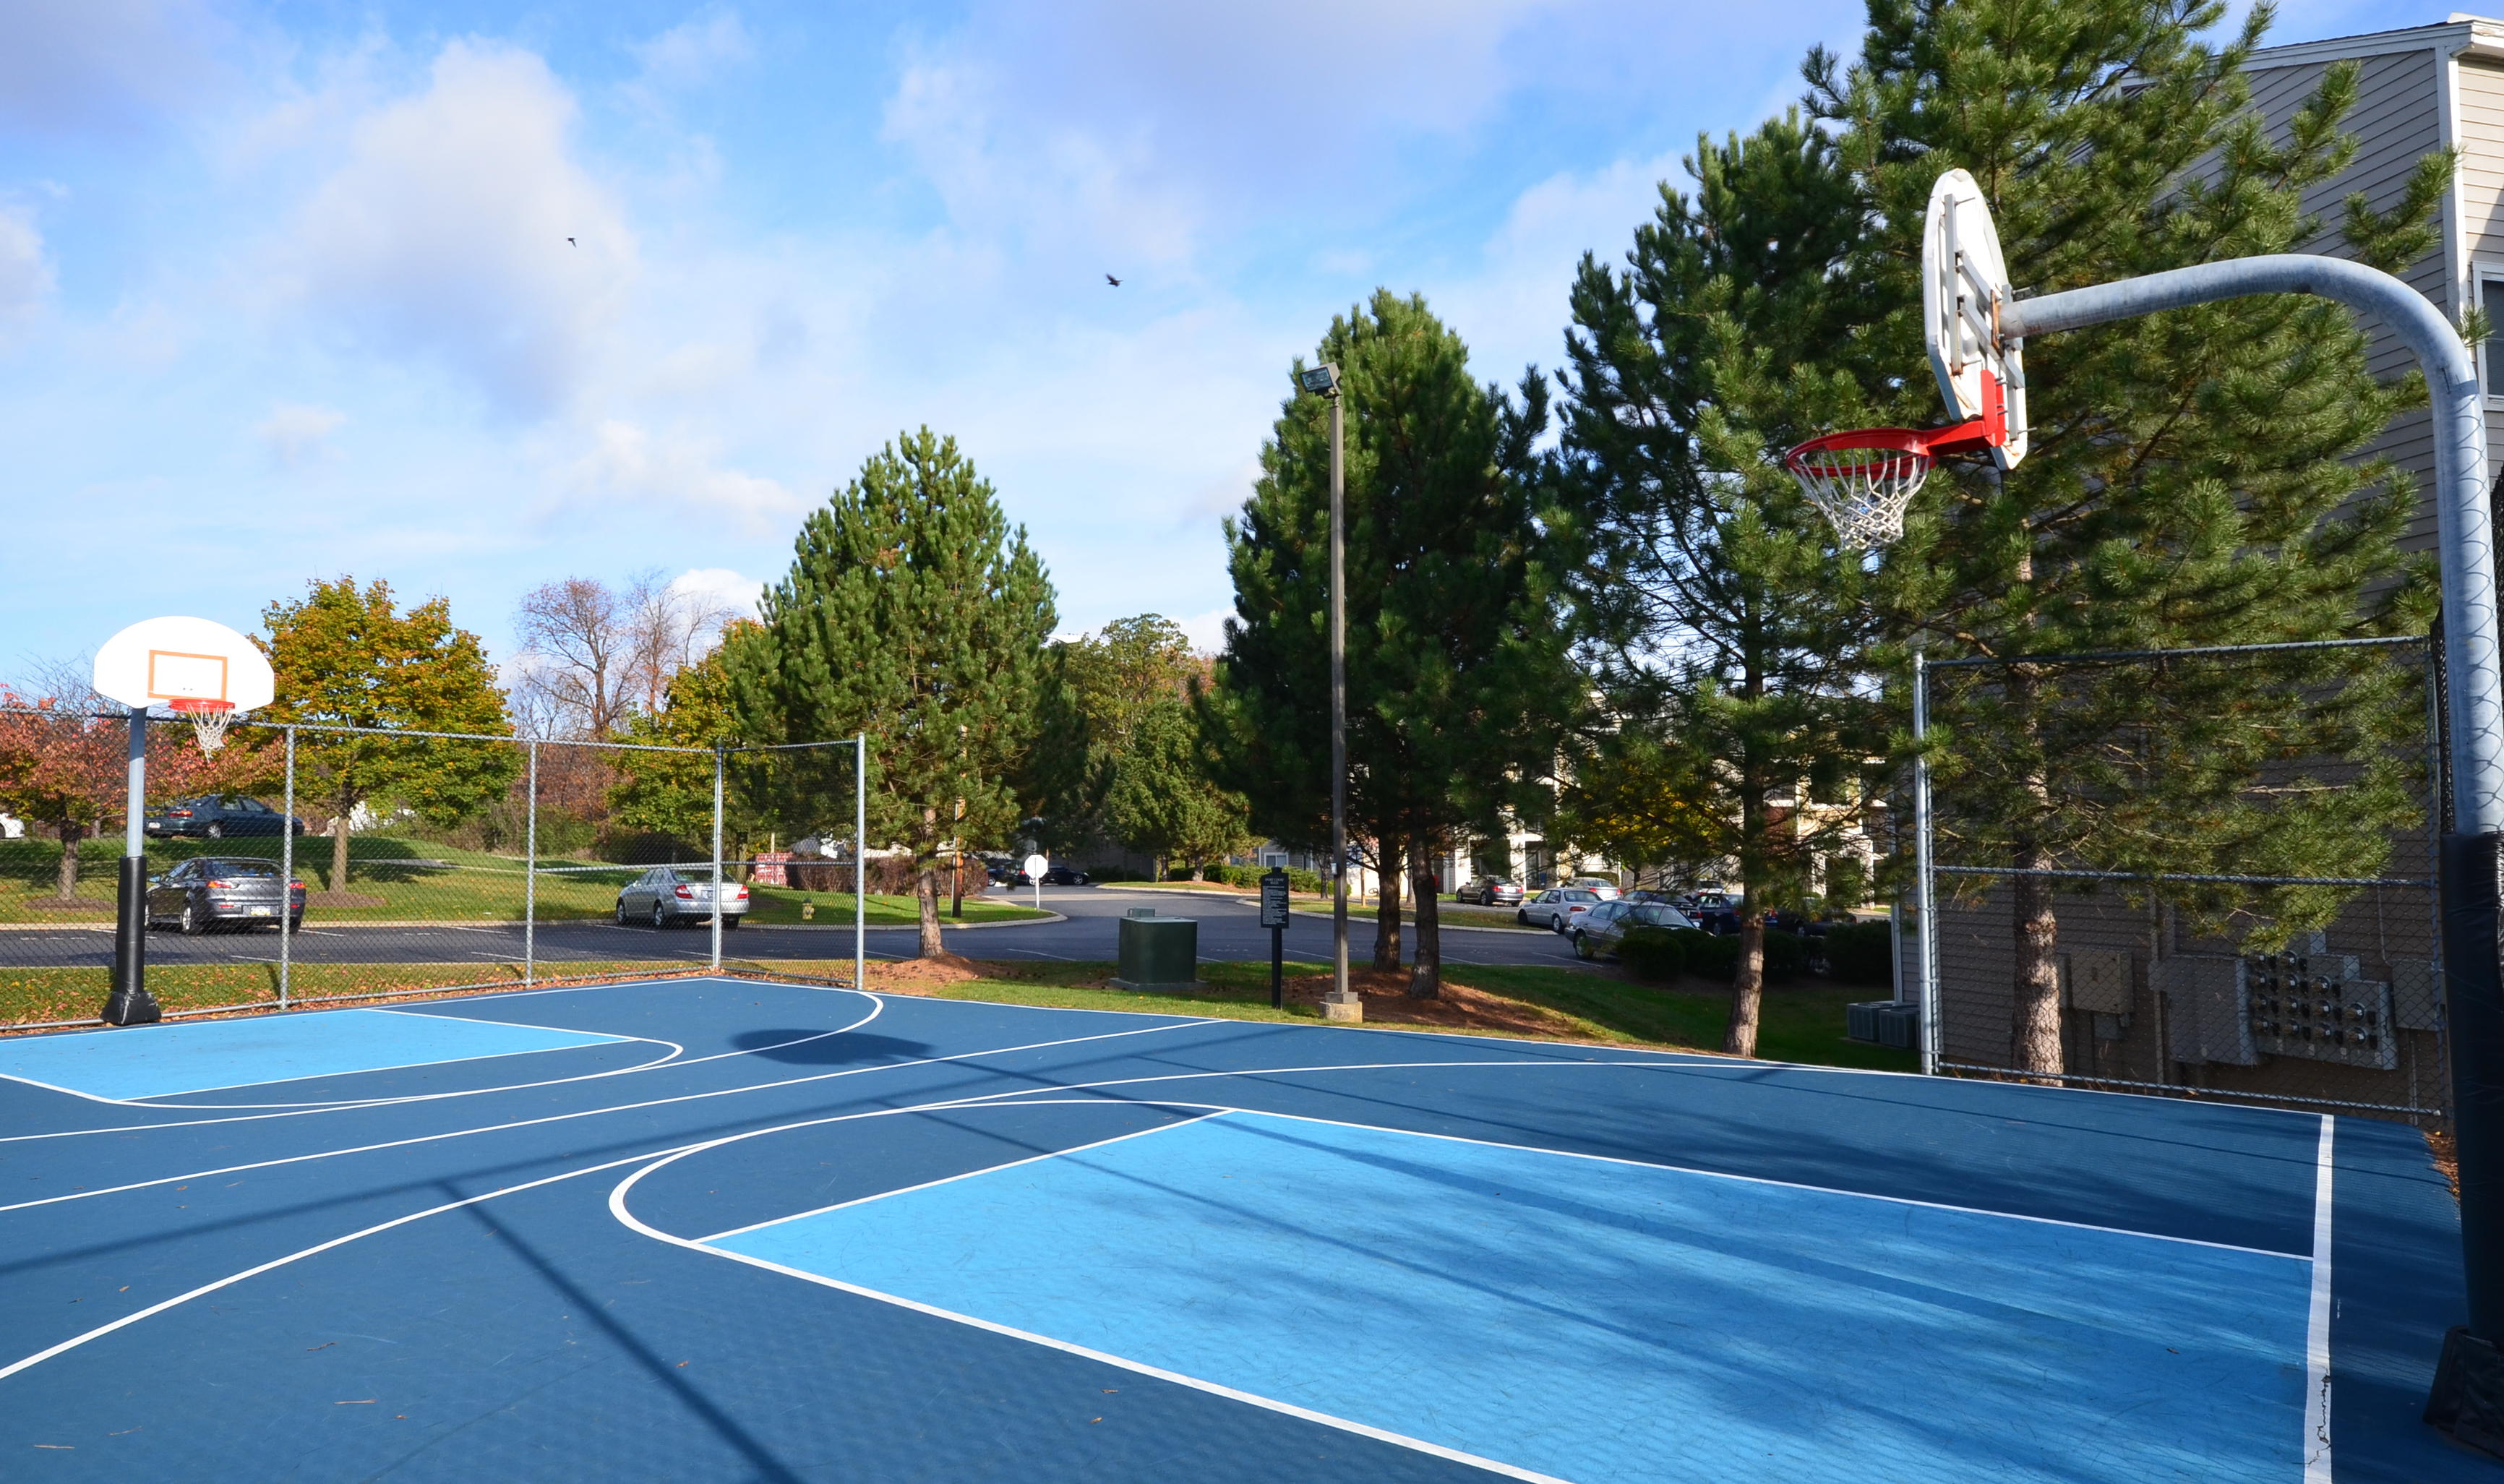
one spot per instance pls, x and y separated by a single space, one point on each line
1348 1008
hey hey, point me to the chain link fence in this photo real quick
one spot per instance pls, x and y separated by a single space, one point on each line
2196 872
309 865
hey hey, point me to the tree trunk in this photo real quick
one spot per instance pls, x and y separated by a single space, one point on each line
65 884
2035 1045
1748 985
926 891
1426 977
339 848
1386 920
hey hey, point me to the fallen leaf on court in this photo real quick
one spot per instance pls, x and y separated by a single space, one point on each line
325 1345
361 1401
124 1288
59 1447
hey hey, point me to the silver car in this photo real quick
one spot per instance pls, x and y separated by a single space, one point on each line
218 891
1557 909
665 895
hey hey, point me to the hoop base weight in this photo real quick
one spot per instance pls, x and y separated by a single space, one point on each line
2467 1404
131 1003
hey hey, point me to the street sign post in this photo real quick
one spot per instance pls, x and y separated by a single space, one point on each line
1035 867
1273 916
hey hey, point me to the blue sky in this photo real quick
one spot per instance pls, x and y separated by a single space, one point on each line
285 290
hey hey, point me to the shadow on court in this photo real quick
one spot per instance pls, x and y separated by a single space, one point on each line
817 1048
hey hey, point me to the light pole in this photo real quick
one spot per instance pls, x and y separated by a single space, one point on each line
1341 1003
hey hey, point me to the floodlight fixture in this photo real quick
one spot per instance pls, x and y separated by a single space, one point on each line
1321 380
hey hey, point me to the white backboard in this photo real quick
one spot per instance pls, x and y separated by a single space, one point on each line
1965 282
158 660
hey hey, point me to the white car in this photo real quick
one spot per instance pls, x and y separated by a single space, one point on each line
665 895
1557 909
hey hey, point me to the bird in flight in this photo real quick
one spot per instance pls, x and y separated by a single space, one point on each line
1110 279
569 242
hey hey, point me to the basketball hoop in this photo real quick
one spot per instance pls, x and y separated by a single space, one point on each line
1863 480
208 720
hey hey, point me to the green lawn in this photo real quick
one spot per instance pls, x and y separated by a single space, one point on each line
1801 1022
416 881
30 996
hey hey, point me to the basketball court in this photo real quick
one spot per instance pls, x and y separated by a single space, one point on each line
723 1228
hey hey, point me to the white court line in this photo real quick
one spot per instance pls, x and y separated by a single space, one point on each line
1014 1099
584 1113
134 1317
877 1005
989 1169
2317 1330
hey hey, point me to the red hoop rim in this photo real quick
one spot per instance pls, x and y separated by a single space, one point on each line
198 704
1971 436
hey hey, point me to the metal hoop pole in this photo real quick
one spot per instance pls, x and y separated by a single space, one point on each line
860 862
717 857
530 867
286 875
1925 893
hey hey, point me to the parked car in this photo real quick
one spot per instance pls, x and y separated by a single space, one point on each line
1064 876
665 894
209 890
1490 891
1603 927
1558 907
1608 890
216 818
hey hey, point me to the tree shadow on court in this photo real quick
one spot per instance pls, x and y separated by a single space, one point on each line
817 1048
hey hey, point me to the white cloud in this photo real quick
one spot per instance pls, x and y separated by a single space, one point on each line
694 50
297 433
26 278
461 227
1207 631
719 587
677 475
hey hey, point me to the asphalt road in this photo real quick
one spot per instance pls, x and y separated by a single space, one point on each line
1230 930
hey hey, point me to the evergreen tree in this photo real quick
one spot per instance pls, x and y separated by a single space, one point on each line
346 656
913 613
1161 800
1723 622
2193 478
1456 673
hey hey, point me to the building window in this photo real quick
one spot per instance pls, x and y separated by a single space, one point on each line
2488 279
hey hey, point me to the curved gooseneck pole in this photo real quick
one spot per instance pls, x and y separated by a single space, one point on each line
2475 687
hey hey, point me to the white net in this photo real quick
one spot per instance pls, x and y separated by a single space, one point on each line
1863 489
208 724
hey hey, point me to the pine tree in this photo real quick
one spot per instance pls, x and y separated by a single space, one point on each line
1456 675
1724 624
913 613
2193 476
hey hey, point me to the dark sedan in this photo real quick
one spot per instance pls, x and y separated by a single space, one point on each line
1064 876
217 818
211 890
1603 927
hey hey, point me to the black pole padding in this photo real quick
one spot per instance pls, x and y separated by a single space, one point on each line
2467 1401
131 1003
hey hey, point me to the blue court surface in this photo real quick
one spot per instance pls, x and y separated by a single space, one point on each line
712 1229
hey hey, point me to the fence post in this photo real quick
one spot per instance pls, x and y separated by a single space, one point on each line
860 862
530 867
287 876
716 858
1925 896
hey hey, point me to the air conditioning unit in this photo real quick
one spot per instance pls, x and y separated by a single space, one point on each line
1883 1023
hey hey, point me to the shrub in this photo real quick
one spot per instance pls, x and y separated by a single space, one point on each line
1716 955
1707 955
1860 953
1652 953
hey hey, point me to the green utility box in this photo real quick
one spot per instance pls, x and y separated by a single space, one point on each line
1157 952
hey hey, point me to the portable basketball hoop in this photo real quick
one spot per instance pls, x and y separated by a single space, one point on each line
1863 480
208 720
